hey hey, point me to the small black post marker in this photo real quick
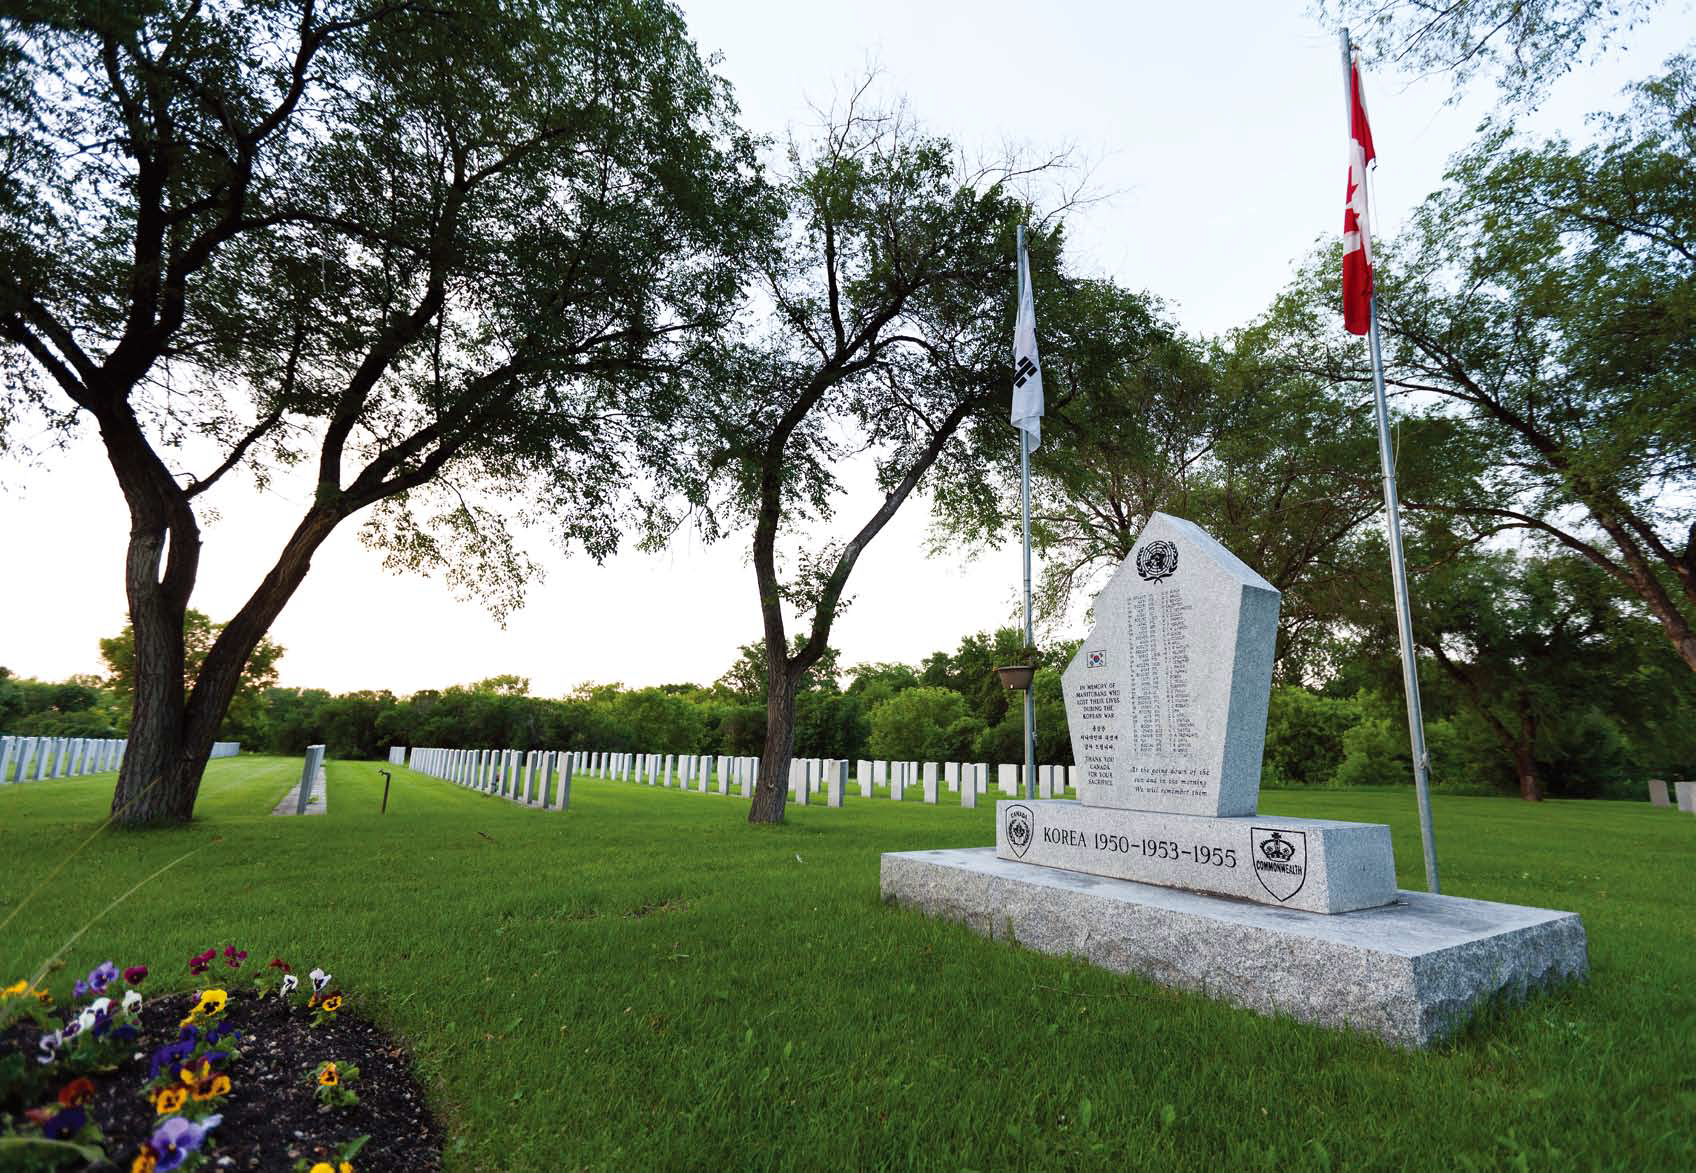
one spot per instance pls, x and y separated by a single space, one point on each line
387 777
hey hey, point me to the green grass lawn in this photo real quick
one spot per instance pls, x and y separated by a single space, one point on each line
647 981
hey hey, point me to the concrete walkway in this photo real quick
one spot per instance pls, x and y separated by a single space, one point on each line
317 804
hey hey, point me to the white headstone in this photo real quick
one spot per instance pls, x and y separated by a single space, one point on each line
1008 776
565 772
1658 792
930 782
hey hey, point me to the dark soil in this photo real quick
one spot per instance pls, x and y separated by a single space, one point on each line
271 1116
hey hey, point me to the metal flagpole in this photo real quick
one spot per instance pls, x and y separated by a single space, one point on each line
1398 565
1025 511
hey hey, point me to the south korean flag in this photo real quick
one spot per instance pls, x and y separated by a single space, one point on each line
1027 369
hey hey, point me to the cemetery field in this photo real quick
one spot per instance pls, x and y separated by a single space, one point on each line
647 981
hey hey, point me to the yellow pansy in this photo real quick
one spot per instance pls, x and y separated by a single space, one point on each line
145 1161
327 1075
323 1167
211 1002
16 988
332 1004
171 1100
218 1085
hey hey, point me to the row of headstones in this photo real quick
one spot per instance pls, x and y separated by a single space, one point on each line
968 779
697 773
810 776
1686 792
527 777
30 759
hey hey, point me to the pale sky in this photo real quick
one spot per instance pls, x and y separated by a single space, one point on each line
1216 129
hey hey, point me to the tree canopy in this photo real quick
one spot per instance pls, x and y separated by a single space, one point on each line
435 255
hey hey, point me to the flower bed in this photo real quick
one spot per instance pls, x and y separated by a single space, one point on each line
253 1071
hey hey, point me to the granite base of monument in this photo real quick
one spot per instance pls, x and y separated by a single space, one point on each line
1410 972
1316 865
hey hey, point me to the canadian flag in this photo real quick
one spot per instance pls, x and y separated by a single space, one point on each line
1357 232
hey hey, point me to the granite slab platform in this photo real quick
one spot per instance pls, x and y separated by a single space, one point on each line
1410 972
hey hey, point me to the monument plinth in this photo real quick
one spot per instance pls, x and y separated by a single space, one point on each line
1315 864
1163 866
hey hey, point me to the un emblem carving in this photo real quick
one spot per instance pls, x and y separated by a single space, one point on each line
1157 560
1018 828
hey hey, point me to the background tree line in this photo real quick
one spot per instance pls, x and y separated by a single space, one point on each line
1621 709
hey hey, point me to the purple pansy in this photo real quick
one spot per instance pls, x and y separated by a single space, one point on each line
80 990
102 976
135 974
65 1122
175 1139
49 1045
171 1055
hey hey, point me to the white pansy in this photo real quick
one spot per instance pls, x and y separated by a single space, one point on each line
290 982
320 979
49 1045
132 1001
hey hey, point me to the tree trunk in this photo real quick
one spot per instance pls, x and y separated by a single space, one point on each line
171 727
1525 766
1525 760
771 794
160 568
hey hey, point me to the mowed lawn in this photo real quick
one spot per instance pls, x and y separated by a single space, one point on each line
647 981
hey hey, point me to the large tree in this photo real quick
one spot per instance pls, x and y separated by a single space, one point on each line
1524 639
425 250
1543 305
1525 44
886 325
